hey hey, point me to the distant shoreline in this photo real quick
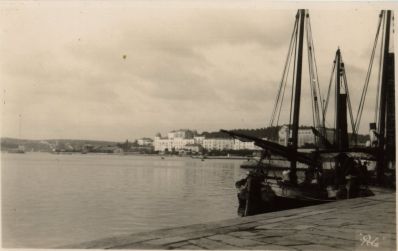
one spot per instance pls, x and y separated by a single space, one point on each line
140 154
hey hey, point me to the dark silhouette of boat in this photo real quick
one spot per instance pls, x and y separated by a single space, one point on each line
337 168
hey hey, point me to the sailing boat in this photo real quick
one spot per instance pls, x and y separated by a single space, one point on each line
334 170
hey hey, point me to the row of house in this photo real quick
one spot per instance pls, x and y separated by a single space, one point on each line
191 141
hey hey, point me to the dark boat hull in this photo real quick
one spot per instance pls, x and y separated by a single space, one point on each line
278 203
259 193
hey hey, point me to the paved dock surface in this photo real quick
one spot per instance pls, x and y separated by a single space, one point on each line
356 224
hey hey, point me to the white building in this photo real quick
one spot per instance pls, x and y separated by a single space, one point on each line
372 135
179 143
305 136
161 144
242 145
283 135
195 148
199 140
175 140
144 142
189 140
218 144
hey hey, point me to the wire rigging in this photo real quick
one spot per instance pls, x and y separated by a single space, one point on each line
329 89
349 101
277 103
293 77
291 68
379 75
365 89
314 80
285 83
315 64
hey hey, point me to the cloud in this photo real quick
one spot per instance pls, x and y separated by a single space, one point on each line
107 71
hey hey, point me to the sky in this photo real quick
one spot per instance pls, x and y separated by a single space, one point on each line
125 70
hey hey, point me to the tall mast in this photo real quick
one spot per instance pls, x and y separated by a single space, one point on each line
383 98
297 93
390 112
341 135
338 100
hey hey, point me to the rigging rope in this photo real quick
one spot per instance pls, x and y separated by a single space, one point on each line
293 78
379 75
349 102
329 89
285 82
316 97
313 96
283 75
314 79
364 91
316 67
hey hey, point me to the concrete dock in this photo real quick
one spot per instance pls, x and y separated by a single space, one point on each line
357 224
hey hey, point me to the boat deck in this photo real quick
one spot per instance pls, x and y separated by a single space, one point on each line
356 224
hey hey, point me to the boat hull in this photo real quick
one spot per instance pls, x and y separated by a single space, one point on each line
259 193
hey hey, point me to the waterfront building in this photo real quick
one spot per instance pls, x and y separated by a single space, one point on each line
175 140
161 144
246 145
180 143
145 142
218 144
185 139
305 136
372 135
194 148
198 139
283 135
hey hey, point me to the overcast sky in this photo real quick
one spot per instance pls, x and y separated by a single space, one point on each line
120 70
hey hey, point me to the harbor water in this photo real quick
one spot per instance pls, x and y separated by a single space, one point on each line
50 200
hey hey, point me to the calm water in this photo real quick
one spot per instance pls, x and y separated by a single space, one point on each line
51 200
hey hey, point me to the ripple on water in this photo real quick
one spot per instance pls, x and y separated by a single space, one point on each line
53 200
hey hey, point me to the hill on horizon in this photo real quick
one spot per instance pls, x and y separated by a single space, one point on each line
47 145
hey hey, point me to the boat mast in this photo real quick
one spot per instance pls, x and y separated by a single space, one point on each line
338 103
297 94
383 100
341 135
390 112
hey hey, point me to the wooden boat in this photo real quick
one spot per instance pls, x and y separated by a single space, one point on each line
348 176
